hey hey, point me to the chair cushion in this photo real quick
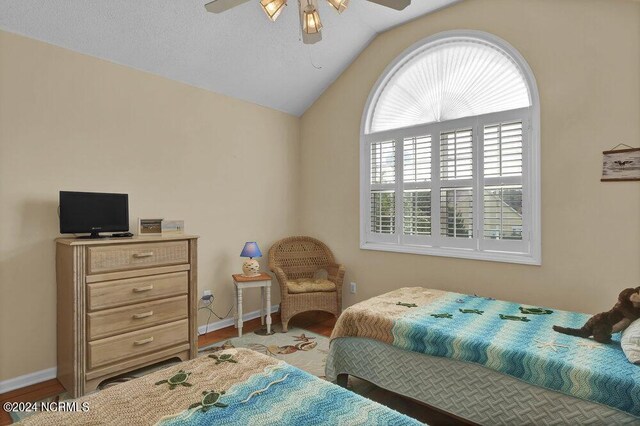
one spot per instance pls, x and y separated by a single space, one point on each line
309 285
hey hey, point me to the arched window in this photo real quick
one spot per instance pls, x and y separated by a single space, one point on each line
450 152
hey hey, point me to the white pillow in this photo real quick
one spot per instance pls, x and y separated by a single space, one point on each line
630 342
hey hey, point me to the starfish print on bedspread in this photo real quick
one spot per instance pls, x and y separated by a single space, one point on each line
550 345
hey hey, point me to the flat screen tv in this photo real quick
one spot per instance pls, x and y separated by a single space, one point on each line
93 212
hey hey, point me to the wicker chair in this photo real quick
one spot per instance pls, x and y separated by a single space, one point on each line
296 262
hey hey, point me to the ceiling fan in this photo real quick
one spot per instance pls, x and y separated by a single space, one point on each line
308 11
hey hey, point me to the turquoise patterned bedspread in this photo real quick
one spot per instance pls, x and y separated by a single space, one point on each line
286 395
234 386
522 345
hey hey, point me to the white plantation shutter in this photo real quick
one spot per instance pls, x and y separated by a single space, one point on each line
449 161
480 209
503 150
416 200
417 159
503 210
383 217
417 212
456 175
382 197
383 163
456 157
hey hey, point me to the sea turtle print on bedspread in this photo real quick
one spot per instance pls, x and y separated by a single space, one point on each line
248 388
511 338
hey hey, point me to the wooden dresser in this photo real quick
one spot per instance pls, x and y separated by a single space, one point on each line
123 304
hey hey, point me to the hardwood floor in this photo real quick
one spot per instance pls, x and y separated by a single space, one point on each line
318 322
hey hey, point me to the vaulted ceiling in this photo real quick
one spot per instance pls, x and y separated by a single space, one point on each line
239 53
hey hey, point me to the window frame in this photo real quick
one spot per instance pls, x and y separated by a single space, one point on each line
525 251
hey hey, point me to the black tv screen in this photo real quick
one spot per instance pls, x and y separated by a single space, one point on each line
93 212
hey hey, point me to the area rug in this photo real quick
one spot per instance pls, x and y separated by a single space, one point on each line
300 348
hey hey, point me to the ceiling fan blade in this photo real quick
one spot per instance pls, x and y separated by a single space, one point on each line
219 6
393 4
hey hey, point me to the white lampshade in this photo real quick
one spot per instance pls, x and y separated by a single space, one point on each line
273 8
339 5
311 20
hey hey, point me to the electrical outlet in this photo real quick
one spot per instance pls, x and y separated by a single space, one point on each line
353 288
207 295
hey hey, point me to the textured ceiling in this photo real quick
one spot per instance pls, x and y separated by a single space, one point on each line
239 53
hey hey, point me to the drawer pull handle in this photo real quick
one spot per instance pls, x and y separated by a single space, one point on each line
141 255
143 341
141 289
143 315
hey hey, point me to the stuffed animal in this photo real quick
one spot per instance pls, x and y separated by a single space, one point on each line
601 325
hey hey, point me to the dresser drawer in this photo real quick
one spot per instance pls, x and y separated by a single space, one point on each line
129 318
134 256
110 294
116 348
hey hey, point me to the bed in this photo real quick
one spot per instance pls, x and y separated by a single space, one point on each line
232 387
484 360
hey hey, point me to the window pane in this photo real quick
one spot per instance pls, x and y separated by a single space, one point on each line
503 150
383 212
417 159
456 155
456 212
417 212
503 212
383 162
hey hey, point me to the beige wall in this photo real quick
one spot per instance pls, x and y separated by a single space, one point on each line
69 121
585 55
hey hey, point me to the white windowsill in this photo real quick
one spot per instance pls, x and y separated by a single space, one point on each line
490 256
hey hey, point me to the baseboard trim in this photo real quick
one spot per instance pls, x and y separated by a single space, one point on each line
51 373
228 322
27 380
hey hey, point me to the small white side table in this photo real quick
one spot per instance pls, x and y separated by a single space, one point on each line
263 281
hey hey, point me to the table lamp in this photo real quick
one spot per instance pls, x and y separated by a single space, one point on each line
251 268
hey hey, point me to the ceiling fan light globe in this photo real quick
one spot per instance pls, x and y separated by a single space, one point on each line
339 5
273 8
311 20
